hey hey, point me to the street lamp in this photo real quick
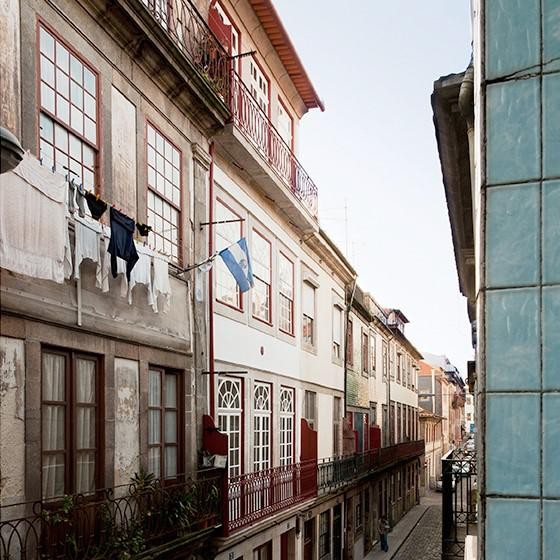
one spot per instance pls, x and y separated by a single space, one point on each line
11 152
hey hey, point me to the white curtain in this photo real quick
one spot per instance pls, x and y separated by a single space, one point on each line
85 425
53 424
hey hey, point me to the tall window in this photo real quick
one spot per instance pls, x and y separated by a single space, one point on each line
308 321
285 125
229 420
263 552
358 512
373 353
337 332
325 533
337 413
227 289
399 366
262 274
385 351
262 413
286 289
287 411
71 425
350 342
163 423
164 193
310 410
258 85
68 111
365 352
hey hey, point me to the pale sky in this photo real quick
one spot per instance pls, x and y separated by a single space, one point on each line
373 63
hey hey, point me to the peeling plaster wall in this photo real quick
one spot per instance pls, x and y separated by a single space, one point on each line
12 424
127 414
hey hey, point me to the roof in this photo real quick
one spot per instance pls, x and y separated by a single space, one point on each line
278 36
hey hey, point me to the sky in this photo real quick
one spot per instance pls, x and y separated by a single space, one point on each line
373 154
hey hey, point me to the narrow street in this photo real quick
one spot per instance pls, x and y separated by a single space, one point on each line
418 535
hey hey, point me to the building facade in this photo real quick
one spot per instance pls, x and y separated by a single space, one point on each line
499 156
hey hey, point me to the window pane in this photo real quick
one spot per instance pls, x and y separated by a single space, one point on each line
171 391
47 97
154 456
170 461
85 427
53 475
62 58
47 71
54 369
53 427
170 426
85 381
85 472
47 43
154 391
154 427
308 302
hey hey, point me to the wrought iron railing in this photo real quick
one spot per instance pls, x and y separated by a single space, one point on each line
191 34
254 123
253 496
459 501
338 471
118 522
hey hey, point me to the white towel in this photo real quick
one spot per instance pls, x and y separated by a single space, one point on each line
162 286
87 237
33 234
142 273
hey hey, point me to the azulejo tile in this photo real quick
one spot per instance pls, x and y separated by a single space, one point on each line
551 231
551 528
512 529
512 235
512 340
513 444
512 36
551 337
551 35
551 445
551 124
513 149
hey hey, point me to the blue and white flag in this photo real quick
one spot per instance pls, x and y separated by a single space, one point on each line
236 258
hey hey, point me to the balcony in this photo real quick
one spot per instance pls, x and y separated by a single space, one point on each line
340 471
255 145
135 520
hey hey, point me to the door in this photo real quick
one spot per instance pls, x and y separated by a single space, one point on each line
337 532
309 540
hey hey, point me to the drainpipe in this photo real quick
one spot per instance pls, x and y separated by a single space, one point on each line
211 368
346 318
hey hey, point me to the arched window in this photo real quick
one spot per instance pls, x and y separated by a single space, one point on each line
229 420
286 425
261 426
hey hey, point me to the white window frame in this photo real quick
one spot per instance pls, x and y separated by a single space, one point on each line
287 424
228 416
262 421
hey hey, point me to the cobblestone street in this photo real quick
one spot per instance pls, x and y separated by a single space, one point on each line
424 543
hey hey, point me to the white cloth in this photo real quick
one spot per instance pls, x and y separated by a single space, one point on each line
142 272
87 237
162 286
68 266
33 232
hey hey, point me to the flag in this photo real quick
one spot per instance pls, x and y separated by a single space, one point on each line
236 258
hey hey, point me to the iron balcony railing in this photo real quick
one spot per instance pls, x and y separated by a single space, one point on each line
121 522
191 34
254 496
254 123
338 471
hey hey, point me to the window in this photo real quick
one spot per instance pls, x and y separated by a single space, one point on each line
337 331
262 414
385 351
286 426
258 85
350 342
262 251
384 425
337 413
286 293
229 420
373 413
325 534
365 352
358 423
310 408
263 552
399 366
373 353
68 111
164 193
285 125
71 424
308 304
227 289
358 512
163 423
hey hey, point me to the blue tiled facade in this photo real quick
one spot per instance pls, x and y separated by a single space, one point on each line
519 364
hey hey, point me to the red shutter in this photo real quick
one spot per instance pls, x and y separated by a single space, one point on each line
219 28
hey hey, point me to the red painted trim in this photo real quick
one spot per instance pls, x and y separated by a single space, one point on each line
211 365
236 27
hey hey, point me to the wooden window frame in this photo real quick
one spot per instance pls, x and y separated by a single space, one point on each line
308 324
269 284
179 409
311 421
177 207
234 412
325 535
292 415
96 147
285 109
263 414
70 417
337 346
